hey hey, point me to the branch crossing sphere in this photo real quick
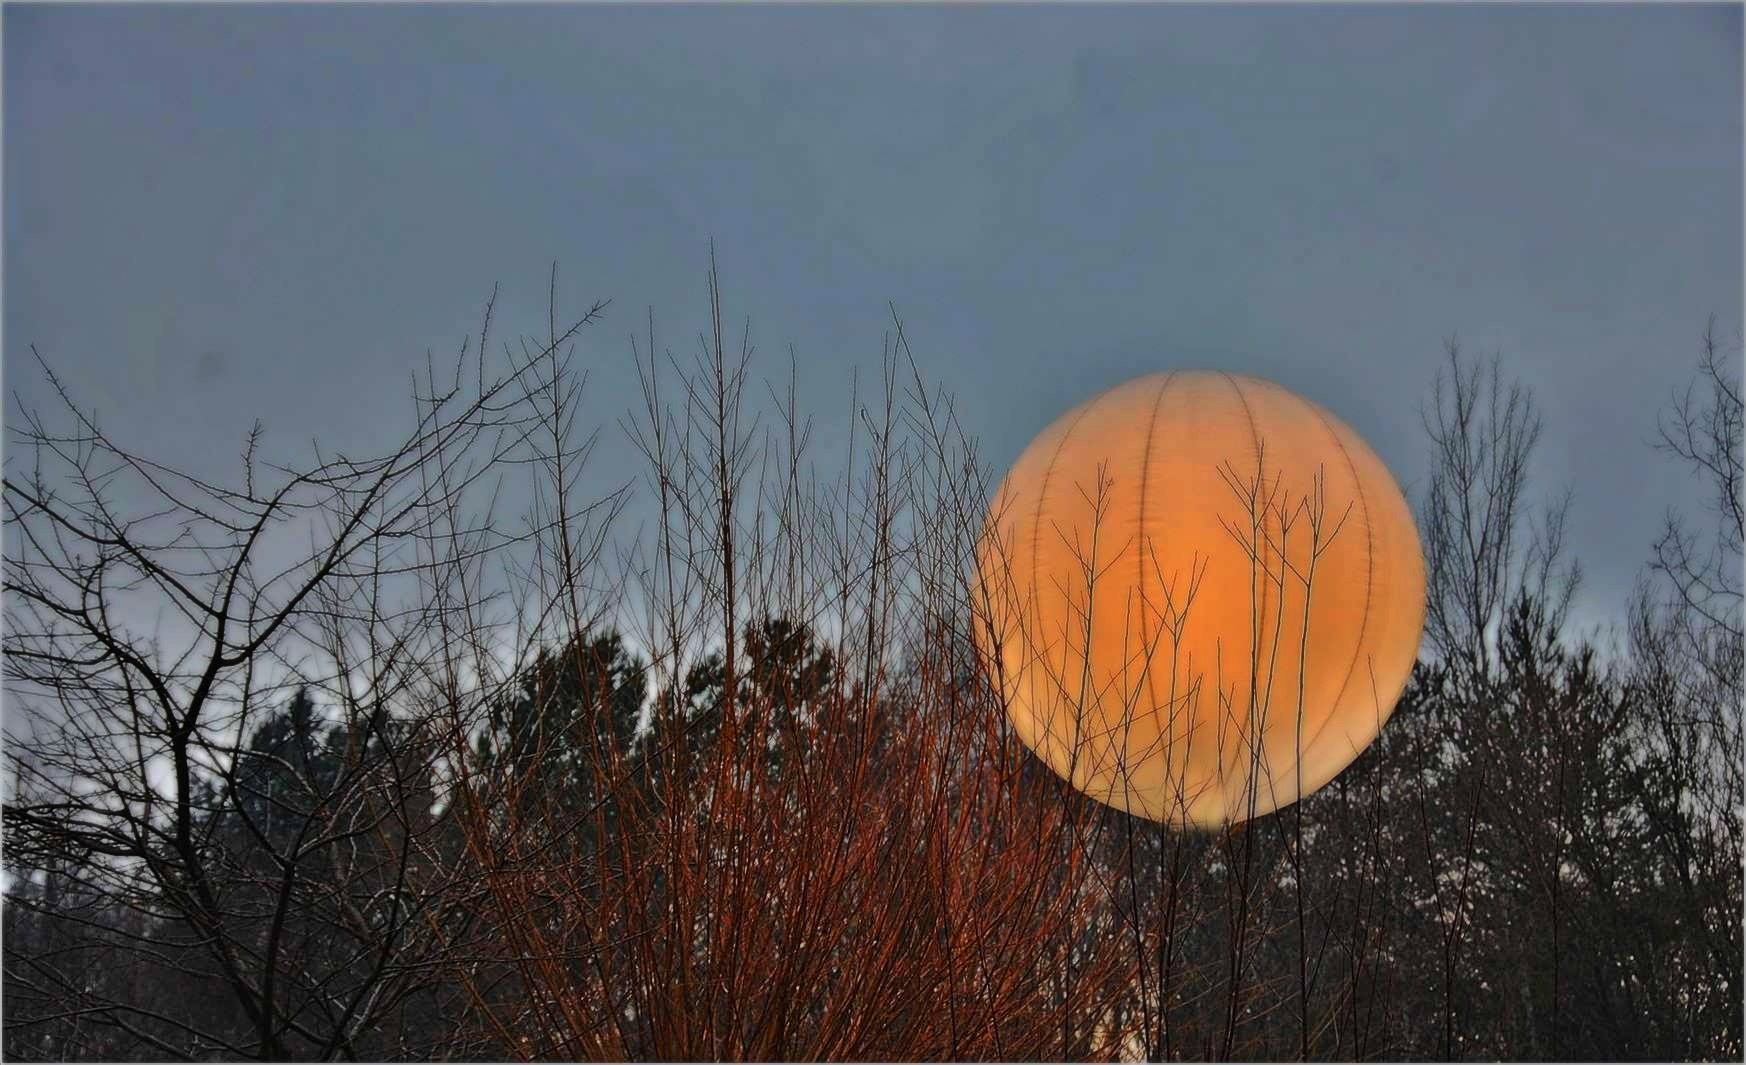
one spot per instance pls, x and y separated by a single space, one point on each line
1203 594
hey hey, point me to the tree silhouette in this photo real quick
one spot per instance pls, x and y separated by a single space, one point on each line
452 787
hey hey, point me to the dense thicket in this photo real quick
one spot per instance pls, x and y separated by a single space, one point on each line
447 783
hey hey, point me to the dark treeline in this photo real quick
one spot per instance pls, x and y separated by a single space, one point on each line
455 784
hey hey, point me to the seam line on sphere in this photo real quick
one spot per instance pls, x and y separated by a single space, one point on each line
1258 614
1140 557
1369 580
1034 577
1043 489
1243 400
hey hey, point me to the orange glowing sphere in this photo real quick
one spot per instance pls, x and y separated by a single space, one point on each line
1202 596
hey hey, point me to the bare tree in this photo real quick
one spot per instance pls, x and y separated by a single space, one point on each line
1687 662
396 775
1482 545
1704 569
829 842
304 877
1569 808
1486 556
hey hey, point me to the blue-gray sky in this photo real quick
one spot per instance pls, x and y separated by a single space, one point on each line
214 213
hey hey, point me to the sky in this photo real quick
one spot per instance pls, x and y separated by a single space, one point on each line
219 213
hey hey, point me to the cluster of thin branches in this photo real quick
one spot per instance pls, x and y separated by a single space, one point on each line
397 773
